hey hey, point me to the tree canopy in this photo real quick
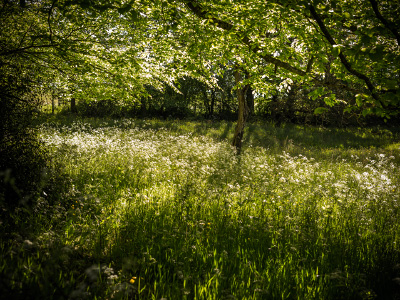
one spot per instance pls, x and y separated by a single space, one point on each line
113 49
353 45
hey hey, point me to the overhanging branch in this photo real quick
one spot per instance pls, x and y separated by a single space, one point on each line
342 57
310 63
389 25
196 9
23 49
202 14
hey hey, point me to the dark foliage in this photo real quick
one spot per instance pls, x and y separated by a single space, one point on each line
22 158
105 108
26 173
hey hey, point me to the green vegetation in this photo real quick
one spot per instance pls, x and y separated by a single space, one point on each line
113 208
165 209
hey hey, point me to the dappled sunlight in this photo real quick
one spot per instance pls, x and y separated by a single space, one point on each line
124 176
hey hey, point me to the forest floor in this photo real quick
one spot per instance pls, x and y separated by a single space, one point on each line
166 210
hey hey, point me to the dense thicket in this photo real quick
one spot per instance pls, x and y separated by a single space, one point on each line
25 72
21 157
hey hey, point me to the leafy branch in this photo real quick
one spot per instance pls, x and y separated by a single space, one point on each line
341 55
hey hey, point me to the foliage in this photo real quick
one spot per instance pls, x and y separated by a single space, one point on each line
194 98
158 209
153 213
22 158
344 54
47 49
341 45
113 51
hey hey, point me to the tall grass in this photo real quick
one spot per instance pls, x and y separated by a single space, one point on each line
166 210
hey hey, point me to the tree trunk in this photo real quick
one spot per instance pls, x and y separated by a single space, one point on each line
143 107
250 100
73 105
212 103
242 114
52 104
206 103
249 97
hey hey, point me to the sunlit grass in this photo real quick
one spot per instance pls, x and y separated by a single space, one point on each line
165 209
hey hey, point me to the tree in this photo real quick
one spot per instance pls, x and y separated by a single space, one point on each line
22 159
297 38
112 49
52 47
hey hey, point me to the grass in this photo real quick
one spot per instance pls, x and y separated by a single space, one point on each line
165 210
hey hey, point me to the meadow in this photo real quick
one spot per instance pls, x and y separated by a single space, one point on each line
166 210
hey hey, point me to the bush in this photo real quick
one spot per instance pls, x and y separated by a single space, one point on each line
26 172
106 108
22 157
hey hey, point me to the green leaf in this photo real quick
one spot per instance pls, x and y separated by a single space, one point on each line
365 40
360 98
336 50
134 15
348 109
318 92
366 112
320 110
391 98
330 100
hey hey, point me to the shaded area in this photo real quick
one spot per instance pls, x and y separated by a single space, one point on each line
323 138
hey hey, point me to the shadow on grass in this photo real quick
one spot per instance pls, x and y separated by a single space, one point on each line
267 135
197 248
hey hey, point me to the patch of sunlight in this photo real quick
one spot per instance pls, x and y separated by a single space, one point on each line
395 146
